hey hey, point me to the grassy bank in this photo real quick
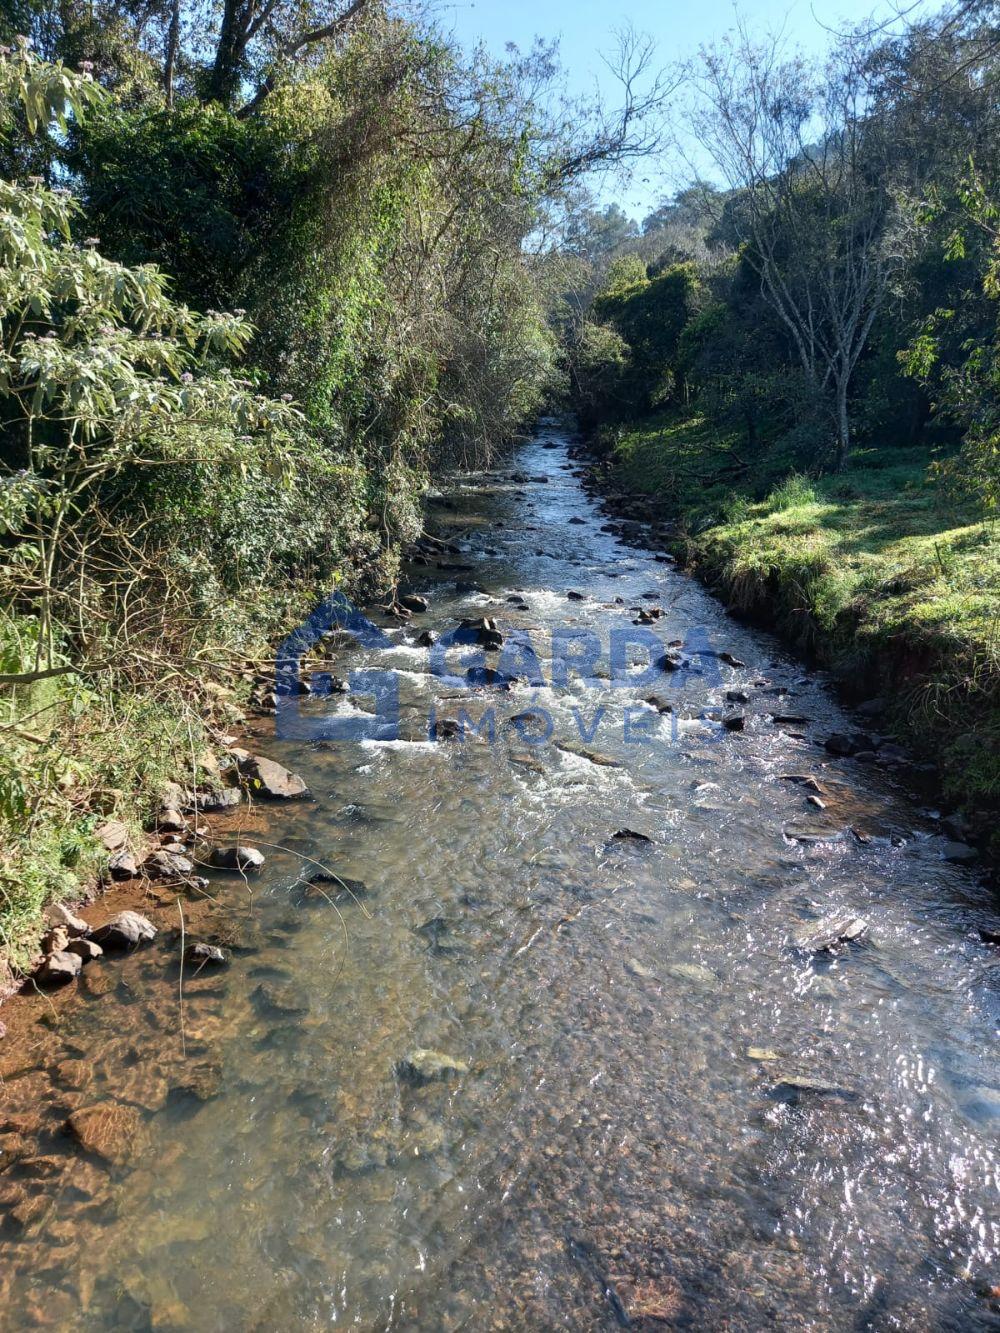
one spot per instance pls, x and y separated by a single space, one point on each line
876 570
83 748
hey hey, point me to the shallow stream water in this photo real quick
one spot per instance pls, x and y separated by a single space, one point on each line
665 1111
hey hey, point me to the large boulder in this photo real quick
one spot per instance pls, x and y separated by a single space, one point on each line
126 930
265 777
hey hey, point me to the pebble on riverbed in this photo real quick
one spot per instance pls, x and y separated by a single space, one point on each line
426 1066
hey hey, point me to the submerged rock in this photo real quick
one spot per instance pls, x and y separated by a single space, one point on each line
109 1129
703 976
426 1066
809 833
803 780
592 756
281 999
827 936
637 970
126 930
629 835
958 851
762 1054
795 1088
844 746
339 885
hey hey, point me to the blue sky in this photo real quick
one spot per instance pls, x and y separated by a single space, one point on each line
585 29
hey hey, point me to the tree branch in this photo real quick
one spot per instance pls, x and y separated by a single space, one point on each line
294 46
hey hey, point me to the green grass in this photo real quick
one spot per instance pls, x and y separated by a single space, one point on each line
876 571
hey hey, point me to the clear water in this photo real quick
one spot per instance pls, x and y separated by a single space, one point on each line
613 1156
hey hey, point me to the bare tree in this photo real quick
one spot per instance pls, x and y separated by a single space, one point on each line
809 174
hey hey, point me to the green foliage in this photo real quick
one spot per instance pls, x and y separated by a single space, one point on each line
794 491
969 382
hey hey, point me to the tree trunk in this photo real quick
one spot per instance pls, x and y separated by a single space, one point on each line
843 424
224 83
173 42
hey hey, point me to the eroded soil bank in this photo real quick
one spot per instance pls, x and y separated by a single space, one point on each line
645 1010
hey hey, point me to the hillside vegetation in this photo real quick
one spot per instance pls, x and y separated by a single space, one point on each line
800 363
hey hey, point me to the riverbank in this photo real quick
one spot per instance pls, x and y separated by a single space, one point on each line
113 781
874 572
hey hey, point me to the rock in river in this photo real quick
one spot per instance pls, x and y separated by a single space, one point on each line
236 858
167 865
424 1066
845 746
59 914
264 777
201 955
796 1088
125 930
637 970
109 1129
827 936
87 950
60 967
958 851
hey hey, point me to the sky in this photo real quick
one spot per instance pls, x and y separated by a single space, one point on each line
586 28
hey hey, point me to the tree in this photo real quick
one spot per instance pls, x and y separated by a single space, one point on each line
812 203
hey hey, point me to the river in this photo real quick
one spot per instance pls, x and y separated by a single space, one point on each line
665 1107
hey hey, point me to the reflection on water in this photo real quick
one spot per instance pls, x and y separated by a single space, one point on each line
664 1110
